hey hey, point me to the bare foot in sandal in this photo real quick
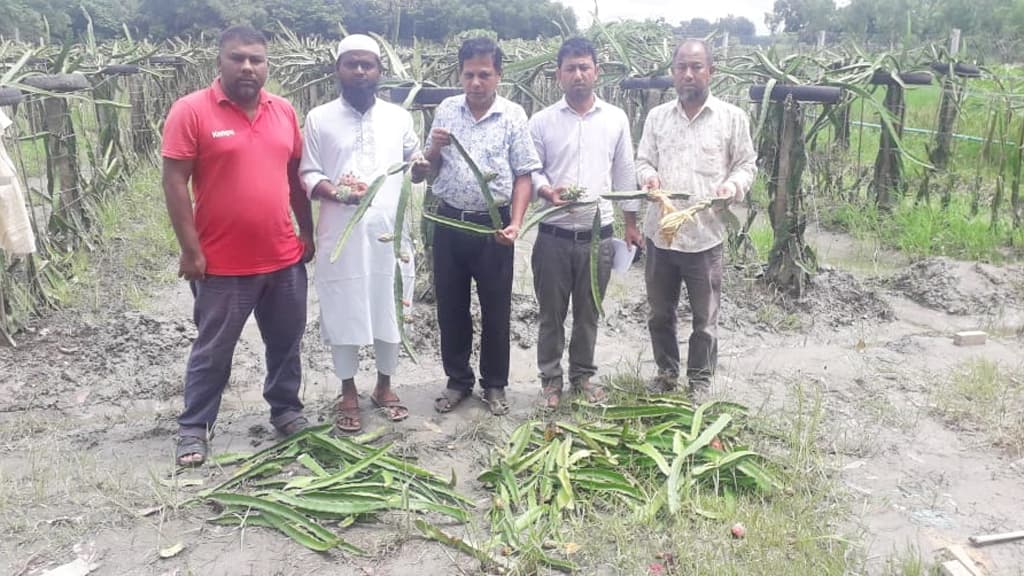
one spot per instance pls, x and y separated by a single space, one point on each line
346 409
551 395
387 401
191 450
449 399
592 393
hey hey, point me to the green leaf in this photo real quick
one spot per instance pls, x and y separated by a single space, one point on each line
538 216
300 528
347 472
707 435
312 465
595 258
399 282
434 533
485 187
364 205
649 411
428 506
651 452
459 224
340 505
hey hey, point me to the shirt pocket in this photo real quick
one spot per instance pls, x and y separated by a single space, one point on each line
495 155
710 156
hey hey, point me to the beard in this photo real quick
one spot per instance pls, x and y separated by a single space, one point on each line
693 94
359 96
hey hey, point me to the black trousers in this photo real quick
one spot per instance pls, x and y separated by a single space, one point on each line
459 258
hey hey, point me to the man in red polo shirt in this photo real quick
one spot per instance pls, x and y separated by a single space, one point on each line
240 146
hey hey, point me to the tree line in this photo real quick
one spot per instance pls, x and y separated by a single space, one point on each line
54 20
894 21
872 21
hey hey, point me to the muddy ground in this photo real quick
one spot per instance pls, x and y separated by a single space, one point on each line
88 402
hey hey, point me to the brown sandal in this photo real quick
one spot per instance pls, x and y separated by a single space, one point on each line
496 401
393 409
592 393
346 419
551 396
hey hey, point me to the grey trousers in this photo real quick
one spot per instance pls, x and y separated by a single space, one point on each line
222 306
561 271
665 272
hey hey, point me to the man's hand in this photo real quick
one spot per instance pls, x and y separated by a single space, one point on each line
633 236
730 192
308 248
192 266
553 195
652 183
356 189
507 236
439 138
420 169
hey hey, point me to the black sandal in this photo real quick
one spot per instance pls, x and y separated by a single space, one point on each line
297 424
496 401
188 446
449 399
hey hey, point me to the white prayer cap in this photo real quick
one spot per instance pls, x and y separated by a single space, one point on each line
358 42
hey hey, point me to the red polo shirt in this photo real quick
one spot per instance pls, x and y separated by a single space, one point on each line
239 178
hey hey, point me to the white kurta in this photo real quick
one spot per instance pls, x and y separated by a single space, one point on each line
16 236
356 292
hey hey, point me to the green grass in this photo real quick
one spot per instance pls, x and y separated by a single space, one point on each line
137 231
908 562
929 230
984 397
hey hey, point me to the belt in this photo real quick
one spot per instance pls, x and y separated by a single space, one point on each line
574 235
474 216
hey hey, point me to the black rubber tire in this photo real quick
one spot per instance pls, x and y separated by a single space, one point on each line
883 78
120 70
960 69
655 83
10 96
427 96
820 94
61 83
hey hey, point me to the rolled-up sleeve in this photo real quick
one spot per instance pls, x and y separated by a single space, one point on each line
310 168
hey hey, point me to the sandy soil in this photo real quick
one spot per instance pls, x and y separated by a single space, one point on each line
88 401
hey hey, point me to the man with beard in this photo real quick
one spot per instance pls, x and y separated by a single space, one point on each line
349 142
495 134
240 147
583 142
700 145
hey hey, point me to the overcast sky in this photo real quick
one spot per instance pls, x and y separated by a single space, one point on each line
672 11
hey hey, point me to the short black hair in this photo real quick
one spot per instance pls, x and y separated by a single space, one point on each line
245 34
576 47
481 46
708 52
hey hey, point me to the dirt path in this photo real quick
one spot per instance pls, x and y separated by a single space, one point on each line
88 401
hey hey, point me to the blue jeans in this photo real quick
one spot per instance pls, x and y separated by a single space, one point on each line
222 306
